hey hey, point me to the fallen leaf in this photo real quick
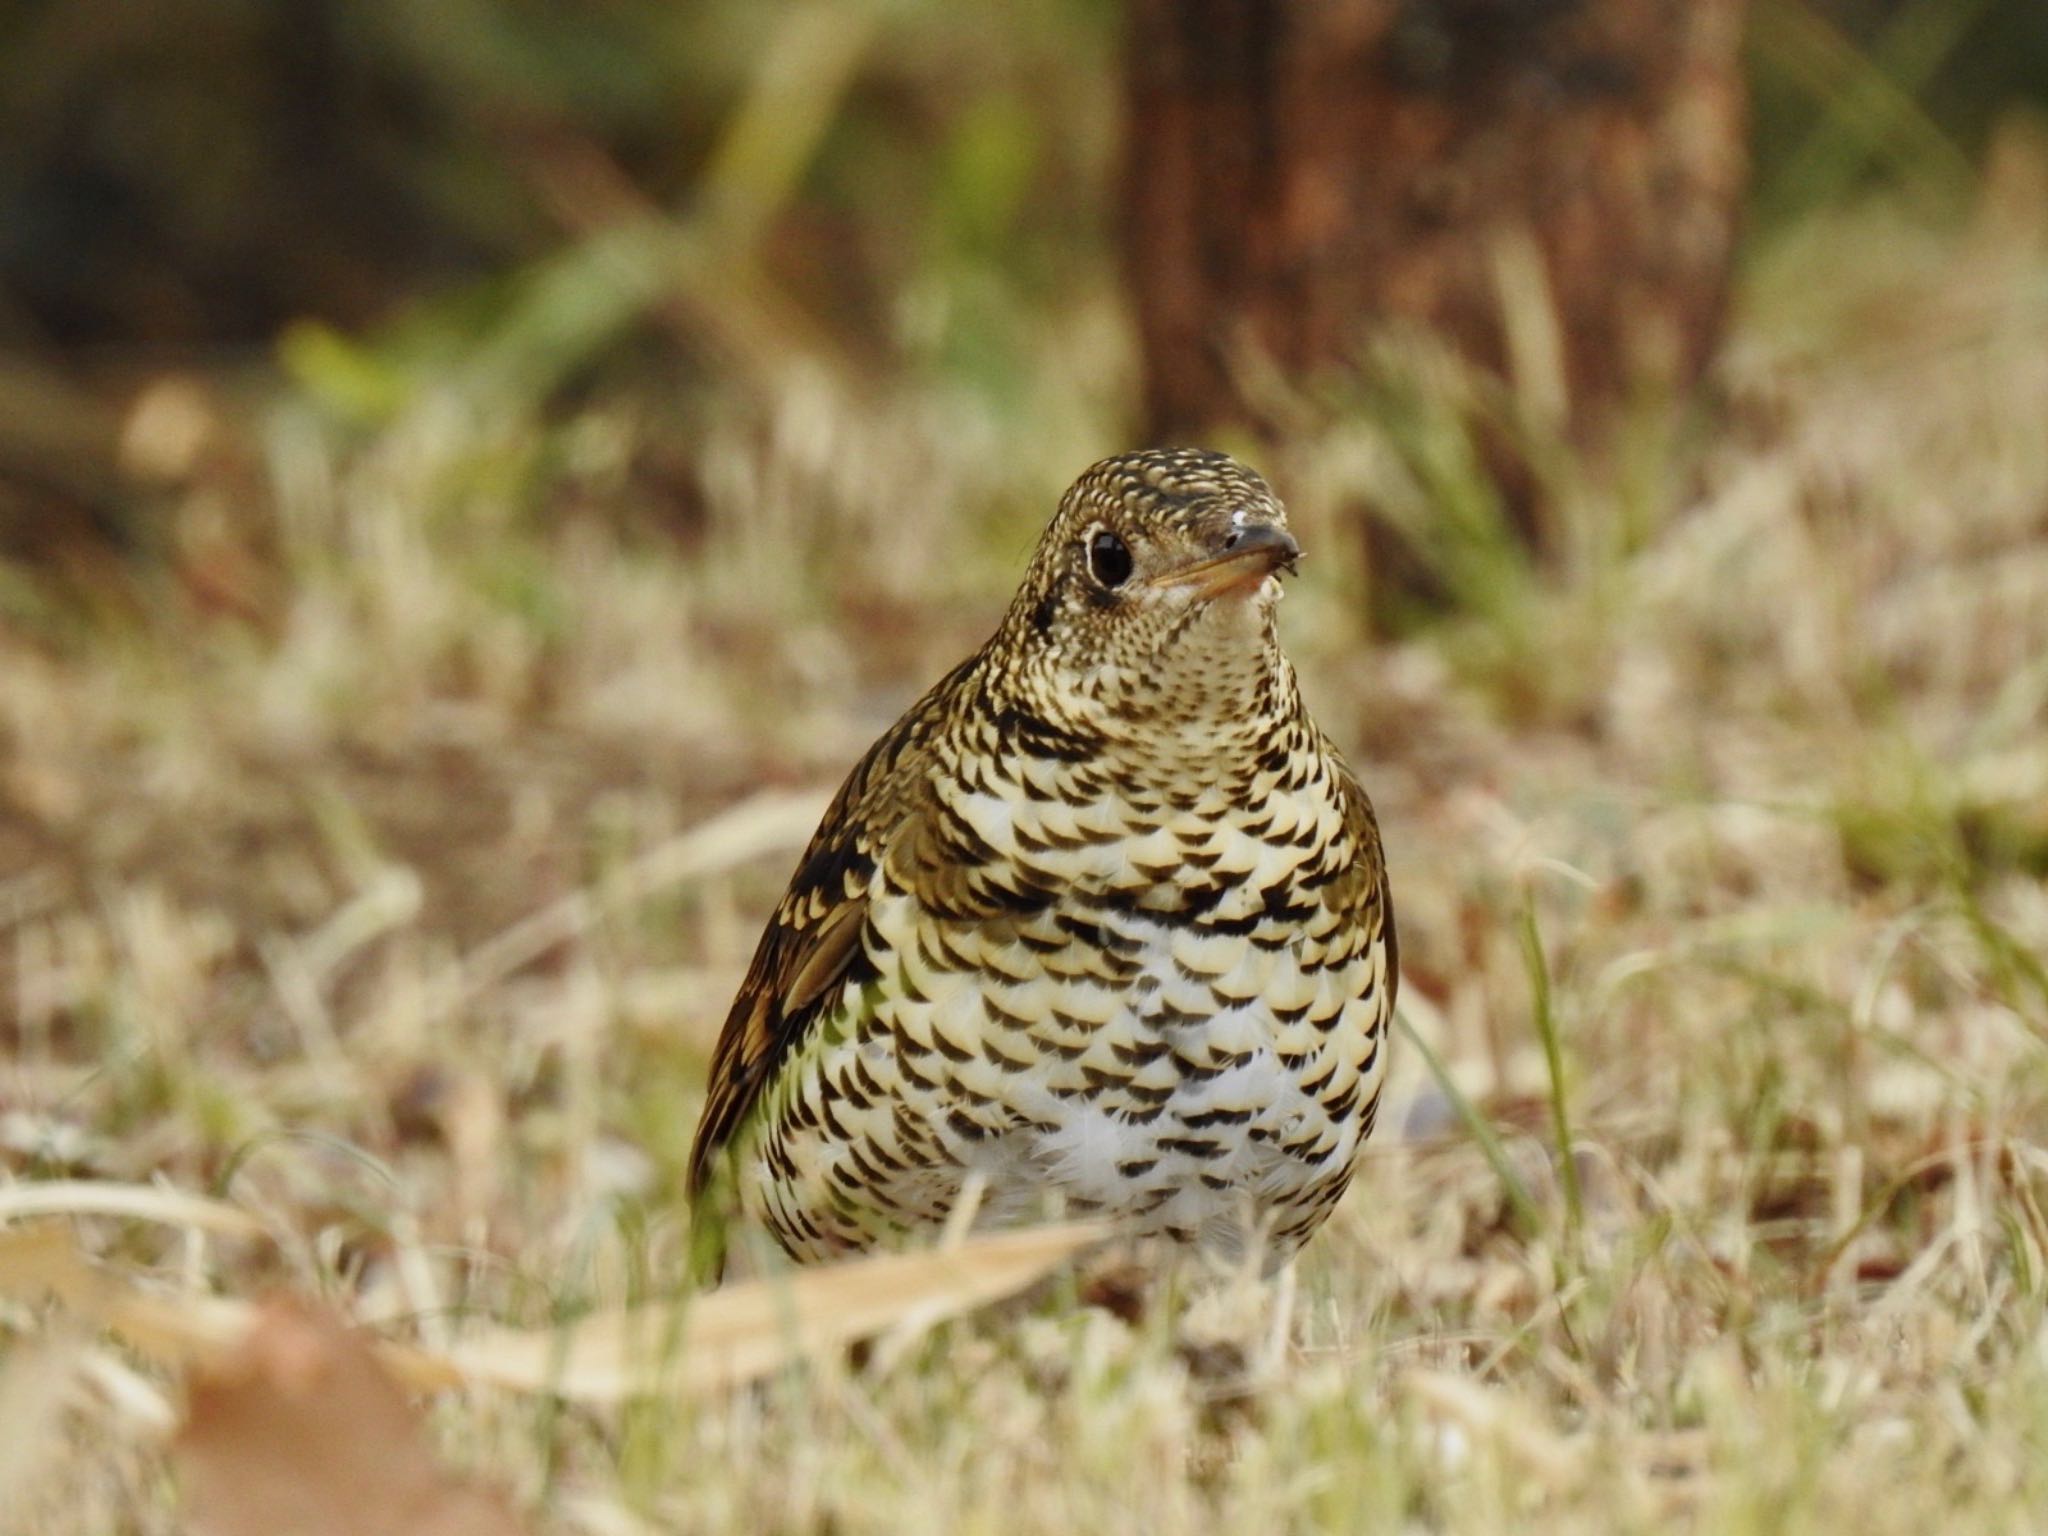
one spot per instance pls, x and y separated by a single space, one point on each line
299 1426
746 1331
43 1262
301 1432
704 1344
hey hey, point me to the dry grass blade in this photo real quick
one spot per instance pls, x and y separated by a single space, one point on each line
1528 1217
137 1202
754 1329
722 1340
770 823
35 1387
1553 1059
43 1262
1487 1413
776 132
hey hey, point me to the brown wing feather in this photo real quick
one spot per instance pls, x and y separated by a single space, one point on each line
812 943
1363 890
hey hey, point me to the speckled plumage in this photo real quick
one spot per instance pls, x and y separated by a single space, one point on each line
1103 918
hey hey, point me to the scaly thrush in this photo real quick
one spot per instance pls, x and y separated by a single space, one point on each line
1102 923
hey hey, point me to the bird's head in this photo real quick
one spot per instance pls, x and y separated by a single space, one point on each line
1151 594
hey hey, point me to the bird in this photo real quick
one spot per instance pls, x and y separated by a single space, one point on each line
1100 927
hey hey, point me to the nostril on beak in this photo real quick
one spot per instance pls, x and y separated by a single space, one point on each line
1261 538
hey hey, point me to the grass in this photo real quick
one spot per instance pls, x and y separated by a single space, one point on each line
352 876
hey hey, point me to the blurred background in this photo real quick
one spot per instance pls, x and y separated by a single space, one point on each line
474 475
628 238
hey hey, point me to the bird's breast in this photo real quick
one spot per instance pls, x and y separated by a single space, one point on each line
1133 998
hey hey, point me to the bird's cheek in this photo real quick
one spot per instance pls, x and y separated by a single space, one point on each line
1171 599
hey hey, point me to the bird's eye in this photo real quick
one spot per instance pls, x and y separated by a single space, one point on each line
1109 558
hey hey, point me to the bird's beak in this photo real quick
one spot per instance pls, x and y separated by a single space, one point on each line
1249 555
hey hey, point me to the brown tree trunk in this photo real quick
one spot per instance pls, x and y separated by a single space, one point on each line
1303 172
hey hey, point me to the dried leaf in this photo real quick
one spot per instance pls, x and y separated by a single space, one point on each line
300 1430
754 1329
729 1337
43 1262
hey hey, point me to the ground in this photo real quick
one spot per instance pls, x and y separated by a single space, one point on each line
347 874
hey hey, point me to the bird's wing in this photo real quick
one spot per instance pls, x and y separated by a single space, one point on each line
1361 890
812 945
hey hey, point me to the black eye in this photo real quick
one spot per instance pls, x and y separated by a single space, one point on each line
1109 559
